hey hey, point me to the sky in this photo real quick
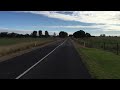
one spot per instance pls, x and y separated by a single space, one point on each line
93 22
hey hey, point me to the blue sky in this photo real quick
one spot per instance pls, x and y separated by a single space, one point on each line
93 22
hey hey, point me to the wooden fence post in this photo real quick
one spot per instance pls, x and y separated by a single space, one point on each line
84 43
35 44
104 46
117 48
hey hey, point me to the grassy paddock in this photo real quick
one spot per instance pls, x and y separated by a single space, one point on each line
106 43
101 64
13 41
12 45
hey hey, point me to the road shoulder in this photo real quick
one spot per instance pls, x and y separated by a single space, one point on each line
77 47
10 56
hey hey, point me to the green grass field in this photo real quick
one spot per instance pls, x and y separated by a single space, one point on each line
103 39
106 43
101 64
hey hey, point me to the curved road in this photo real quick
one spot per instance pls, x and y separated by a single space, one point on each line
56 61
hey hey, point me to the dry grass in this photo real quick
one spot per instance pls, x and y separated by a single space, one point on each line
5 50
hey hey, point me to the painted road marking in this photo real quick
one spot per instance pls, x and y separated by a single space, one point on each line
38 61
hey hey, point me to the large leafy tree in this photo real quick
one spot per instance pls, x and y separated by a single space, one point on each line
34 34
88 35
40 33
46 34
63 34
79 34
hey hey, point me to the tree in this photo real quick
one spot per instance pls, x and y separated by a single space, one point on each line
87 35
82 33
54 34
46 34
12 34
3 34
102 35
40 33
76 34
79 34
70 35
34 34
26 35
63 34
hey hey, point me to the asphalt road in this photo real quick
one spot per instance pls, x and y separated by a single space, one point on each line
62 63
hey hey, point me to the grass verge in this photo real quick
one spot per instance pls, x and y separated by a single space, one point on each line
101 64
5 50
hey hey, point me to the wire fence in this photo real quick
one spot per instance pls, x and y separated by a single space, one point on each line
113 47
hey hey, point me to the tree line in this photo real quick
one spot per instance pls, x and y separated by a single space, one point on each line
34 34
77 34
81 34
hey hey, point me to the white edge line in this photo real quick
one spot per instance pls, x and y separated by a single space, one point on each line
38 61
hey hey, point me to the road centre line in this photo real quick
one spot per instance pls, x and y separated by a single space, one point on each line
18 77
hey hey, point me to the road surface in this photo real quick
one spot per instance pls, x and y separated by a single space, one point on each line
55 61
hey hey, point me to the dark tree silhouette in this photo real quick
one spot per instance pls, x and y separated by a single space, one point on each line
3 34
26 35
40 33
70 35
54 35
102 35
46 34
34 34
63 34
79 34
13 34
88 35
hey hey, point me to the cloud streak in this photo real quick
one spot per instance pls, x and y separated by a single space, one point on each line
104 17
94 27
106 20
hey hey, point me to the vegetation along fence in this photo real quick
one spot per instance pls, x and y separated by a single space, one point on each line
109 46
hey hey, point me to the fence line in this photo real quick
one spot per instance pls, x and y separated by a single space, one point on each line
114 47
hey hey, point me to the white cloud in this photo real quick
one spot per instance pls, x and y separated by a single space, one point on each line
109 19
53 14
75 27
105 17
106 21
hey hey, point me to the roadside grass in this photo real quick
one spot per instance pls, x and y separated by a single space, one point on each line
9 46
108 40
12 41
101 64
107 43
